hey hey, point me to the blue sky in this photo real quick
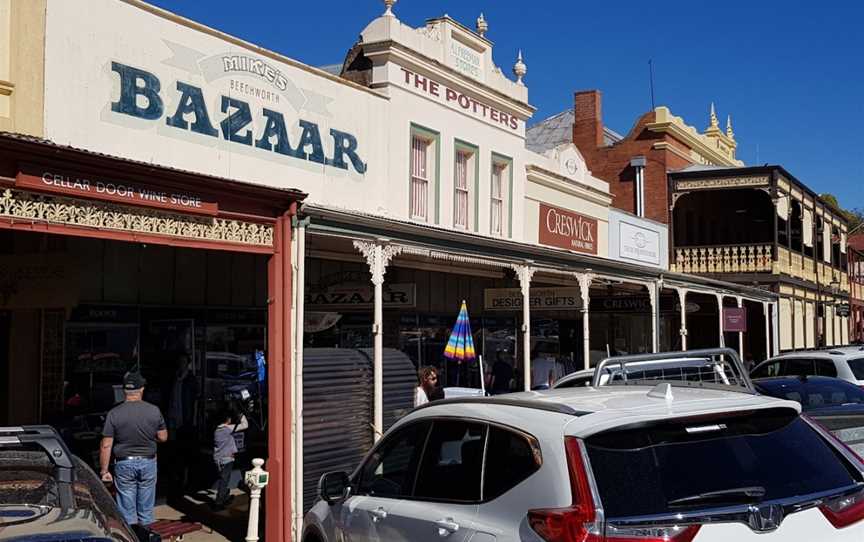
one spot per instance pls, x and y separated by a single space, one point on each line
790 72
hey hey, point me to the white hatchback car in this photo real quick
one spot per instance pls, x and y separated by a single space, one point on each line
675 461
845 363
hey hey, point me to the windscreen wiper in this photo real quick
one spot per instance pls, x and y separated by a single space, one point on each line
735 495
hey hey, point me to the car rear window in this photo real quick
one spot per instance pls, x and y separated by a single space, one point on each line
639 470
857 366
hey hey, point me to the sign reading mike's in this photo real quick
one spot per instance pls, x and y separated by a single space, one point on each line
565 229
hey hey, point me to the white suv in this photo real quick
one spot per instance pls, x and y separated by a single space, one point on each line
682 461
846 363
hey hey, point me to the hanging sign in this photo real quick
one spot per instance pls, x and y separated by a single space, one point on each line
734 319
510 299
358 296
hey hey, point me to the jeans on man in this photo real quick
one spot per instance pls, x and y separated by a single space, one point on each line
135 480
222 490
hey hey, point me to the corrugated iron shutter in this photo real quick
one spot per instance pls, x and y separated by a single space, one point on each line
337 414
400 379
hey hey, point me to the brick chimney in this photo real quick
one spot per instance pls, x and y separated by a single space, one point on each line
588 120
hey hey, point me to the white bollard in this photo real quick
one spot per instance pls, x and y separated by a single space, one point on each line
256 481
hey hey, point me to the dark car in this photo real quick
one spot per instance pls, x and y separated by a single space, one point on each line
836 404
50 495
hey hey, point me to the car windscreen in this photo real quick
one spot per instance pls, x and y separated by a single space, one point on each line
857 367
644 470
814 393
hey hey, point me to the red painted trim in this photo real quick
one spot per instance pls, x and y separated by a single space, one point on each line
131 237
278 512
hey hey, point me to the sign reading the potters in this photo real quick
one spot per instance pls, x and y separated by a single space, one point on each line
117 191
565 229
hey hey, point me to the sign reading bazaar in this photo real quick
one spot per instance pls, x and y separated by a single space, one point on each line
142 96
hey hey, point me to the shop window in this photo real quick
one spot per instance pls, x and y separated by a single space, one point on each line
464 189
500 196
424 163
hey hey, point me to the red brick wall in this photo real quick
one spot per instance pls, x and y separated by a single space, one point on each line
612 164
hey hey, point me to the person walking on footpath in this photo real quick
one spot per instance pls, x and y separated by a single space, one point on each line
428 377
132 430
224 450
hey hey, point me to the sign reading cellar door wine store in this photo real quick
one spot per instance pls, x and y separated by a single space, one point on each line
565 229
118 191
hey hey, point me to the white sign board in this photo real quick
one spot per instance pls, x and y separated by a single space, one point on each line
639 244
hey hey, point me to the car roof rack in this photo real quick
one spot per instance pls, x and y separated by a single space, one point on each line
558 408
724 355
46 438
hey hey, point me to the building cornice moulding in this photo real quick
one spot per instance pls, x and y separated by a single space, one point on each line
568 186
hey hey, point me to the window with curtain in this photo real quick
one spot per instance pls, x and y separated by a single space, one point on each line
462 203
498 198
419 178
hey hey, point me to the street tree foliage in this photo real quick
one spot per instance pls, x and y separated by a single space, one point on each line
855 216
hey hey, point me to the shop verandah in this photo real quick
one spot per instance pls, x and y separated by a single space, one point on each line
390 291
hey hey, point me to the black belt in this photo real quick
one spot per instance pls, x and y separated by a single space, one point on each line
135 457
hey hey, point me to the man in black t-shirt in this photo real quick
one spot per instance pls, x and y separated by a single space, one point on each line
132 430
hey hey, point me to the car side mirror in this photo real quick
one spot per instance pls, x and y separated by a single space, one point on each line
334 487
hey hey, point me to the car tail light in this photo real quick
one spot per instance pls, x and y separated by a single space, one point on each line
582 521
844 511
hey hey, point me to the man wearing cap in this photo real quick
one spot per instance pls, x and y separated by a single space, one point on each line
132 429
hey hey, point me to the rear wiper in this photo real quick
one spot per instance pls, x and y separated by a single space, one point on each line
735 495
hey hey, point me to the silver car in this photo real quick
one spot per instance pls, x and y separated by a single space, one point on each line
670 461
845 363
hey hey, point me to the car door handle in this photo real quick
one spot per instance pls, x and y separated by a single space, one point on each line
446 527
378 514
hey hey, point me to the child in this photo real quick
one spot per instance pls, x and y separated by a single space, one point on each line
224 449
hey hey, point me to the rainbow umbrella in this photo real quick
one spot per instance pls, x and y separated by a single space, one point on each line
460 347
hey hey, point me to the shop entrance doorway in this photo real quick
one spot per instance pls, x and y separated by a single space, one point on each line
78 313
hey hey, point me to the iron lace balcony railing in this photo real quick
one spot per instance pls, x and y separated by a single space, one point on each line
755 258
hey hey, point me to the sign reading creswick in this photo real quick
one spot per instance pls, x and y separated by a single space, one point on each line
725 182
565 229
87 186
142 96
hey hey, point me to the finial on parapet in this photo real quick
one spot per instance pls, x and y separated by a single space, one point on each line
482 26
729 133
714 122
519 69
389 5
